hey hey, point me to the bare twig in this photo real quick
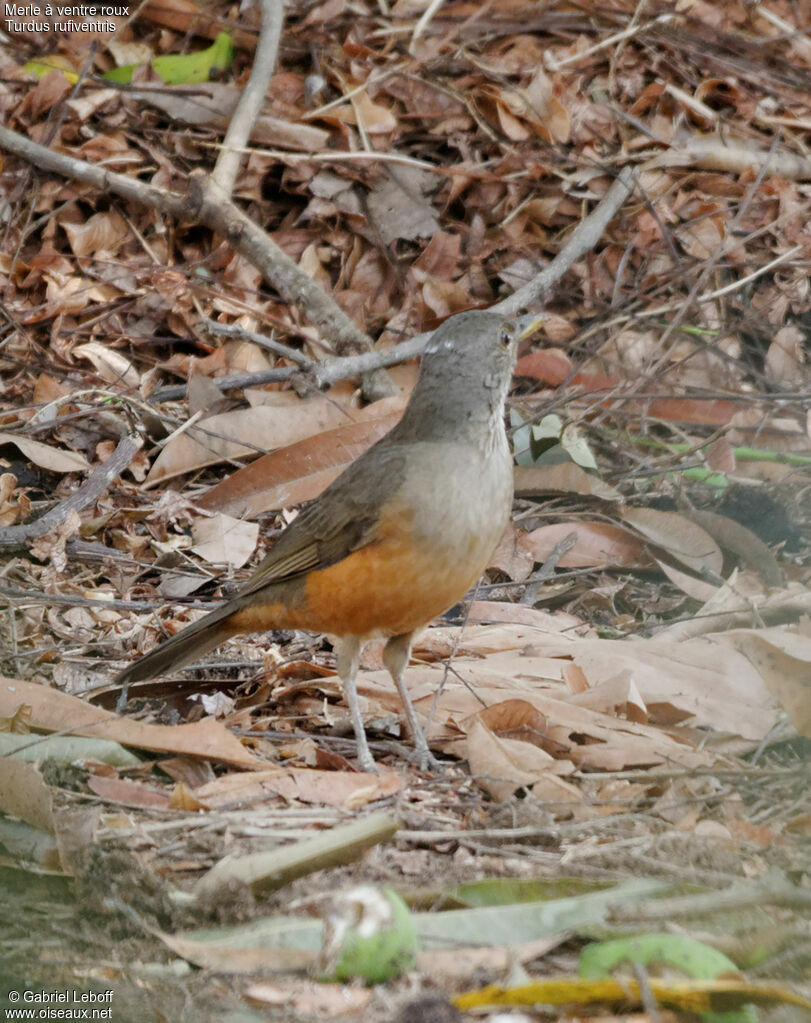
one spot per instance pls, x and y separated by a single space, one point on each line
767 892
423 23
556 65
721 250
10 595
174 392
584 237
267 871
320 374
234 330
17 537
250 103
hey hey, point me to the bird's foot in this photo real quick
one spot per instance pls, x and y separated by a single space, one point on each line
366 762
426 761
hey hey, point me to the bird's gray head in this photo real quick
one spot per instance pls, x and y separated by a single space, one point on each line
475 344
464 376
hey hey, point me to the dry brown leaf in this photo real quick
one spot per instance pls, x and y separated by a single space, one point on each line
513 556
311 998
704 680
597 544
239 433
614 744
46 456
186 16
500 766
51 545
24 794
785 357
456 964
704 235
246 357
514 716
300 471
683 540
48 389
329 788
694 587
521 614
53 711
373 117
126 792
547 365
782 656
720 455
183 798
544 110
537 480
219 957
742 599
398 207
14 504
102 235
223 540
739 540
112 366
617 694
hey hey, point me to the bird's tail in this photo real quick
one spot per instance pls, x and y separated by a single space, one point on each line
192 642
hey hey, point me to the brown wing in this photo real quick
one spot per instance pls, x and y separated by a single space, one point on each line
340 520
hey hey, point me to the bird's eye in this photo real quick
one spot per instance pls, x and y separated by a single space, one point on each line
506 338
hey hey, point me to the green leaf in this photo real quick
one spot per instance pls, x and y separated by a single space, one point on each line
64 749
184 68
691 957
53 62
381 948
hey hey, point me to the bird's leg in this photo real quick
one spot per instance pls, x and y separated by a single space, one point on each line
348 661
395 656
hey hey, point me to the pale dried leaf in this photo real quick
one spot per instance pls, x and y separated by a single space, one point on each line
685 541
500 766
46 456
398 208
102 235
567 477
238 434
783 658
223 540
53 711
597 544
330 788
300 471
112 366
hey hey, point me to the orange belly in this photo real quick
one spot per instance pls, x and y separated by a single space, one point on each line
384 589
387 588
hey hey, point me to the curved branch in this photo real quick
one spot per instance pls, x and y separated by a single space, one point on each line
250 103
206 204
584 237
17 537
